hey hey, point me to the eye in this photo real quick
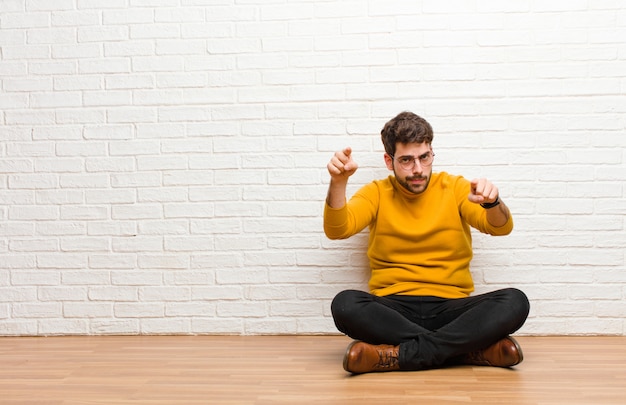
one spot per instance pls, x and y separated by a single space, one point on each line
405 159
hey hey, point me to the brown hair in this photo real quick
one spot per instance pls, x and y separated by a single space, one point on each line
405 128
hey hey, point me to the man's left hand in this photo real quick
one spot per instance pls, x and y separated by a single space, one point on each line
482 191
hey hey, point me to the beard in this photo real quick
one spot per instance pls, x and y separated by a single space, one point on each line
415 184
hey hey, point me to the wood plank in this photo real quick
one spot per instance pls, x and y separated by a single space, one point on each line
99 370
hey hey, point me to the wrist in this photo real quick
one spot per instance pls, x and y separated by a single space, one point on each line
491 204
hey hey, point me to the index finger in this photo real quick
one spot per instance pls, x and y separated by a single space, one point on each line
474 186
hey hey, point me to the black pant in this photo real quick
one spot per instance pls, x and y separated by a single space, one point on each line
431 331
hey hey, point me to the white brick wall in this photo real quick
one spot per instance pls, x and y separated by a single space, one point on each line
162 162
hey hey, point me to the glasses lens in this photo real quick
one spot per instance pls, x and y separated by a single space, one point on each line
407 163
428 159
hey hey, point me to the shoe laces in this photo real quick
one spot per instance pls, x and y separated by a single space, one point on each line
387 359
476 356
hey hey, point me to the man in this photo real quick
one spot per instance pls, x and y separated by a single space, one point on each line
419 313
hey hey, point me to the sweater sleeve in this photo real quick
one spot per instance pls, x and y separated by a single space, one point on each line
354 216
474 214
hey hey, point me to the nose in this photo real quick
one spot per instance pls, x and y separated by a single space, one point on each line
417 167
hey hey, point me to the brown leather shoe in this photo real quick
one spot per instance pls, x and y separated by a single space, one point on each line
362 357
504 353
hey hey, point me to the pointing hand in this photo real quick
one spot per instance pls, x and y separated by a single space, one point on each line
482 191
341 166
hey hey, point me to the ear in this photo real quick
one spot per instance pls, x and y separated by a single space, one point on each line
389 161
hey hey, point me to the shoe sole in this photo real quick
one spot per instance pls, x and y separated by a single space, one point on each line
519 350
346 356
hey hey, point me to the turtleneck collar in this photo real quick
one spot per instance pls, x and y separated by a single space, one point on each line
406 194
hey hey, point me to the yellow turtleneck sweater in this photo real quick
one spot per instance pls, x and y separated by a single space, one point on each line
418 244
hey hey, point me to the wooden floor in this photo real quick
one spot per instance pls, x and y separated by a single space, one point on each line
292 370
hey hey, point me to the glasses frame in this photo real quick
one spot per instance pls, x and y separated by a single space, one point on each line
411 164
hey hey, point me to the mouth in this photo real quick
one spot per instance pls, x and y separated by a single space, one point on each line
416 180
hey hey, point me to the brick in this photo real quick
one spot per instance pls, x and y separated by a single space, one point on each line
269 292
37 310
117 261
136 279
13 101
190 277
130 81
127 17
164 227
240 209
217 294
87 310
188 243
60 228
110 197
60 165
83 180
109 293
33 213
16 328
241 276
216 13
192 309
218 326
15 165
62 326
179 14
164 194
134 244
295 308
129 48
153 31
177 114
234 243
135 180
85 244
114 327
139 310
117 228
240 310
132 115
61 51
71 17
314 325
33 245
80 116
29 118
137 211
216 260
87 278
106 98
102 34
24 20
51 35
16 229
213 194
166 262
18 294
264 326
165 294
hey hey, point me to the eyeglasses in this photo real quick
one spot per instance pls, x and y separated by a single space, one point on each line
408 162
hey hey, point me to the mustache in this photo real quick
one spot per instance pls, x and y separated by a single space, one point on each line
416 178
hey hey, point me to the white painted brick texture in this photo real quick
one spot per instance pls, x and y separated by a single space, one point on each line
163 163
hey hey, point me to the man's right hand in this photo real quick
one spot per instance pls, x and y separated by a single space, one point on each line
341 166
